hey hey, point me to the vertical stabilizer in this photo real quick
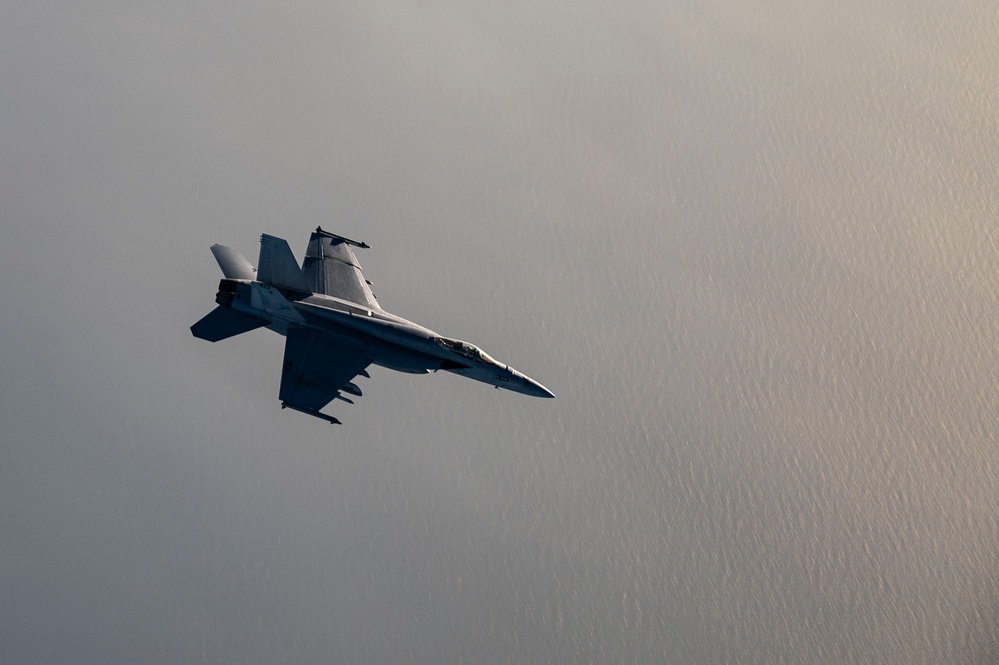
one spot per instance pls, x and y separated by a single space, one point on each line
277 265
233 265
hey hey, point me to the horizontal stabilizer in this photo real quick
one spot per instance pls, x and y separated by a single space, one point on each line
277 265
233 265
223 322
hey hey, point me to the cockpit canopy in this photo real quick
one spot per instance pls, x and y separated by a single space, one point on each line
467 350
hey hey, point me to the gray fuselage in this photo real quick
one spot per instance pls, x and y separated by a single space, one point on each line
386 339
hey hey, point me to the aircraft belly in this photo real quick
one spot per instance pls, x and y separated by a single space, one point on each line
403 360
378 351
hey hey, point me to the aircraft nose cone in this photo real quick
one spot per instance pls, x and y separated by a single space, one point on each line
535 389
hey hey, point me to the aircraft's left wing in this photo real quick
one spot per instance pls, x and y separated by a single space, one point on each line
316 370
330 268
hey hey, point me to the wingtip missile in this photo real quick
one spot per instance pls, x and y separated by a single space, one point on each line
355 243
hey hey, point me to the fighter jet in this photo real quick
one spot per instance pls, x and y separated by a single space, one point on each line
334 325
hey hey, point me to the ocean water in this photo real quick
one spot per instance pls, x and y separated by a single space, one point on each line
751 246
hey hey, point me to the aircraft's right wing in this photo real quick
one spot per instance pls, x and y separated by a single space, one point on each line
316 370
330 268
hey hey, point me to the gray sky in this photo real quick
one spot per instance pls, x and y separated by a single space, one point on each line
751 246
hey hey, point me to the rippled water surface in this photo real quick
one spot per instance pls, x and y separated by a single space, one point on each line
751 246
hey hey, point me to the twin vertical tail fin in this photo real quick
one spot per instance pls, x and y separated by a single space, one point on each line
233 264
223 321
278 267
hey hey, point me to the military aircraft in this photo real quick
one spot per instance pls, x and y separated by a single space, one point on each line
334 325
